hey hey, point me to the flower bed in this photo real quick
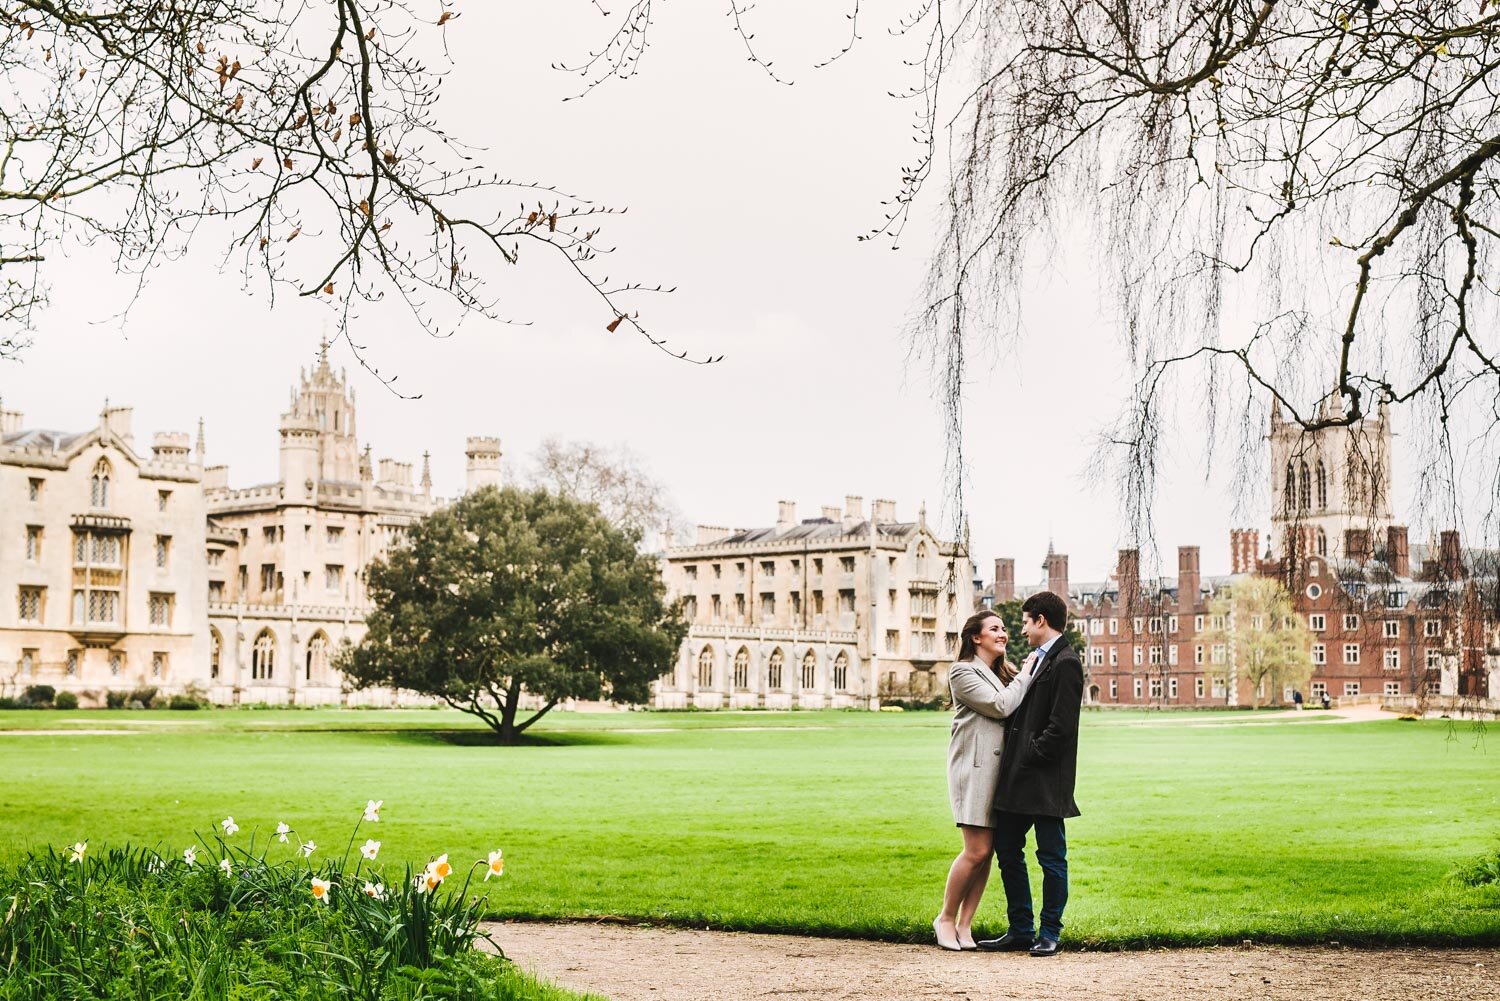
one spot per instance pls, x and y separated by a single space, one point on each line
242 917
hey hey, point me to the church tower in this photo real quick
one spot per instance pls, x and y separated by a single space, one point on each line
317 433
1331 489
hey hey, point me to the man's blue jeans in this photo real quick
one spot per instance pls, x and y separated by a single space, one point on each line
1051 855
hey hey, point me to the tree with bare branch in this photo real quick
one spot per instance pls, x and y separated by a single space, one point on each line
300 132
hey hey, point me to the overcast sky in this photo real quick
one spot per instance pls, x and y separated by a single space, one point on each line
746 195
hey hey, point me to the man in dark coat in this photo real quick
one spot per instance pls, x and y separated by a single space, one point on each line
1038 766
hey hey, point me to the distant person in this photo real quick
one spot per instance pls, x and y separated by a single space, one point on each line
1327 702
985 690
1037 772
1297 699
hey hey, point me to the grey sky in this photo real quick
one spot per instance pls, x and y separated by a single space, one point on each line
745 194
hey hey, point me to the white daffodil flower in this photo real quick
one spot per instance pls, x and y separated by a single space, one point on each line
224 864
321 888
282 831
78 849
375 890
370 849
308 848
372 810
230 827
190 855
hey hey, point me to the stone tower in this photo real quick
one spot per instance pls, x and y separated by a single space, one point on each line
317 433
483 465
1330 488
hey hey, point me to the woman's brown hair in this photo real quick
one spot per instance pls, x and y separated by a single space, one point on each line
967 650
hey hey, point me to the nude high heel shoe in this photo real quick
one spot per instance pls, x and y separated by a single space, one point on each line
951 944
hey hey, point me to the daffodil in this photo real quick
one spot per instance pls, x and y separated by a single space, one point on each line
229 826
78 849
375 890
308 848
321 888
497 864
432 880
440 868
228 868
370 849
282 831
190 855
419 883
372 810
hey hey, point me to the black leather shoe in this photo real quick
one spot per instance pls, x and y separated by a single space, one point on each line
1044 947
1009 942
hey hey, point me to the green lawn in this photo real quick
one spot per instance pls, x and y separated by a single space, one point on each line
1197 827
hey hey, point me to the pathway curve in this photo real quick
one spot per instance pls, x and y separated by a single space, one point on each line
628 963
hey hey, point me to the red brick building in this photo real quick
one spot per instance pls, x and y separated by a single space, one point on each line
1392 620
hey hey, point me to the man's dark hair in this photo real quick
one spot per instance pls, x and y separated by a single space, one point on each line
1046 605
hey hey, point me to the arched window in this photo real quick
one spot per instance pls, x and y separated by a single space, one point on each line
1322 543
841 672
742 669
809 670
99 484
317 657
1305 500
706 668
263 656
1289 493
922 560
215 646
1322 486
773 670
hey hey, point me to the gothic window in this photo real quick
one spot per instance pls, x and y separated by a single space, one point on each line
215 651
1322 543
99 484
1322 485
317 657
1289 493
1305 497
841 672
33 543
809 670
263 657
159 609
742 669
31 604
158 665
773 670
163 550
706 668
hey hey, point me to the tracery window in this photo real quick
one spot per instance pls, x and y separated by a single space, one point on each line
1322 485
263 657
809 670
773 671
317 657
706 668
99 484
742 669
841 672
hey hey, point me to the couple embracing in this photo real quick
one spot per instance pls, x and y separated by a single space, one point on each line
1012 760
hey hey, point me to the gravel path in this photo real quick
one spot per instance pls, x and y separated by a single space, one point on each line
627 963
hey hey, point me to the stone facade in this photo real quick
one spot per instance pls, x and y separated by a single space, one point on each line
162 574
836 611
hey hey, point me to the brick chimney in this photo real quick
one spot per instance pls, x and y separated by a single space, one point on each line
1244 550
1398 551
1450 556
883 511
1357 545
786 514
854 511
1128 576
1005 580
1057 575
1189 577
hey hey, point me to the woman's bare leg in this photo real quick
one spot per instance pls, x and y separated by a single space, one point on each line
975 893
972 863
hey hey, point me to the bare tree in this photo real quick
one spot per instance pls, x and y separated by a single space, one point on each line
302 130
613 478
1263 640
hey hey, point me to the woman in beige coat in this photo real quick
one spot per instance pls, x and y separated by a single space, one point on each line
985 690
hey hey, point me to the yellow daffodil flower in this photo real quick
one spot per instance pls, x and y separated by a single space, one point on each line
497 864
320 889
440 867
375 890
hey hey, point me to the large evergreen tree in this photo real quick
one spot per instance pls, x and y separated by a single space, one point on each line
511 592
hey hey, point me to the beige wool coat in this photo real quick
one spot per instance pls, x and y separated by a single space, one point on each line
980 704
